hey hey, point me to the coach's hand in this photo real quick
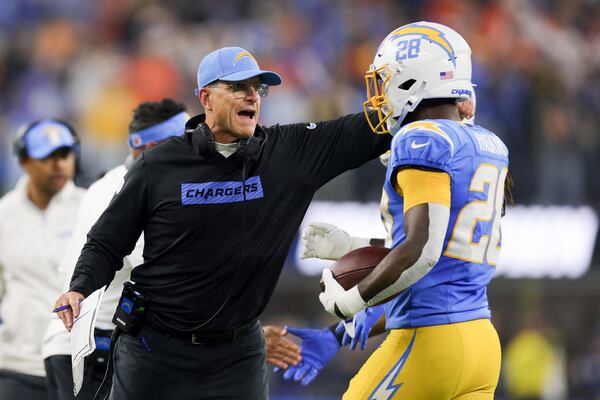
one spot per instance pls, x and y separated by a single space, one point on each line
466 109
67 316
318 347
363 323
328 242
281 351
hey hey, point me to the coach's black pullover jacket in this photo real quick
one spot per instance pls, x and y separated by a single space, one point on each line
208 235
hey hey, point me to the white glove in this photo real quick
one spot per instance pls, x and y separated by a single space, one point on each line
328 242
348 302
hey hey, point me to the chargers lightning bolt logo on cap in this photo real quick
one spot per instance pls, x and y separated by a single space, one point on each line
386 388
242 54
52 134
430 34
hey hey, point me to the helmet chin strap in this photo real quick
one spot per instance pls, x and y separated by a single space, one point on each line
395 123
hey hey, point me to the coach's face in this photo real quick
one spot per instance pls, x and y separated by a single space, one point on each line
49 175
232 108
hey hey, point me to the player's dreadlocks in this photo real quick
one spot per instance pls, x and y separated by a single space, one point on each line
508 196
153 112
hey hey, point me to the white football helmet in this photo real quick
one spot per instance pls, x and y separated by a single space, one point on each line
423 60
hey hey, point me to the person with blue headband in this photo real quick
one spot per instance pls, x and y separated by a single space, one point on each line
146 138
219 207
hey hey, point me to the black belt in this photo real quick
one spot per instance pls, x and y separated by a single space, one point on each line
203 337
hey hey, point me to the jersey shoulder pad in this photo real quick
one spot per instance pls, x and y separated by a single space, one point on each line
423 143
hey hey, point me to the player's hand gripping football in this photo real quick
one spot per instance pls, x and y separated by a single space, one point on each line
328 242
318 347
337 301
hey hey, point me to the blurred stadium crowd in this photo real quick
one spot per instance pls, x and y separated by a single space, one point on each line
536 66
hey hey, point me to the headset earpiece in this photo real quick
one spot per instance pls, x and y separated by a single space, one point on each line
249 149
206 143
19 146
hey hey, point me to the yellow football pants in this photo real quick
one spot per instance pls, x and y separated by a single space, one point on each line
456 361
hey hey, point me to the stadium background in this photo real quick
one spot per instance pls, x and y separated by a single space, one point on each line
537 67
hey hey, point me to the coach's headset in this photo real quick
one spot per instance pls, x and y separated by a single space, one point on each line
20 141
248 148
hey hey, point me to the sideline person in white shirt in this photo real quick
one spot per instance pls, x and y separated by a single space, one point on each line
36 221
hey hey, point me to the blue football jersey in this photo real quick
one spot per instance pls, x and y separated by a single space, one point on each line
477 162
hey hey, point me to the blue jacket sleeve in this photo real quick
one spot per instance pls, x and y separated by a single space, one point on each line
323 150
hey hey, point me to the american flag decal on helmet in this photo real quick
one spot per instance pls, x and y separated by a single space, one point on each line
446 75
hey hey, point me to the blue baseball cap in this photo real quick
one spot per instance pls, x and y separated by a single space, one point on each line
47 136
232 64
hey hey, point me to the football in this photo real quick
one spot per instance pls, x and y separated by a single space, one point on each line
354 266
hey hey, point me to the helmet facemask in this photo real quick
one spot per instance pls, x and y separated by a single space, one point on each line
391 106
376 80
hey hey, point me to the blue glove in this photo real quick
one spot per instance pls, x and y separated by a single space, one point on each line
318 347
363 323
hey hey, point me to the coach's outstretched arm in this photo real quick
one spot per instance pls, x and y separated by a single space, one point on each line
426 215
320 151
112 237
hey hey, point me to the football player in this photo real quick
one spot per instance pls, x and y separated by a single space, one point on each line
329 242
442 205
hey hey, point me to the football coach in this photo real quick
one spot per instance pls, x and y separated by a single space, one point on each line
219 207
